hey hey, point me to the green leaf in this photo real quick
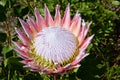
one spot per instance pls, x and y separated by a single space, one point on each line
6 49
24 11
3 2
75 70
100 66
14 61
116 3
2 14
1 47
3 37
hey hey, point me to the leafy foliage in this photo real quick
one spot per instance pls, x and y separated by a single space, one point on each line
101 64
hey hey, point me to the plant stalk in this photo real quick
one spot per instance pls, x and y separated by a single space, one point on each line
55 77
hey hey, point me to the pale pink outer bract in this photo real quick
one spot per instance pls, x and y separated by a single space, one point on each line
76 26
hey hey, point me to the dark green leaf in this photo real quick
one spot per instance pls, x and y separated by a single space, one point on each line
3 37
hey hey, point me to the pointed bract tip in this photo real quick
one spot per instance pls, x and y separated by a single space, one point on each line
57 7
68 5
45 5
91 37
35 10
90 23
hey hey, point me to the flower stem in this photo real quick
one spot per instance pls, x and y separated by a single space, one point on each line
55 77
8 33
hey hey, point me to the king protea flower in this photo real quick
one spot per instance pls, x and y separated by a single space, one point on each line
53 46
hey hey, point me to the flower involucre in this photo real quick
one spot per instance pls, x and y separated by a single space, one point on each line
53 46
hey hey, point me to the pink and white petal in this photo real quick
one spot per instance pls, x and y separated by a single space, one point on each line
75 17
26 28
50 71
59 71
59 67
77 66
73 22
82 33
87 28
83 23
32 65
22 53
33 25
29 66
25 61
22 57
19 45
48 17
74 66
67 66
66 19
35 68
75 26
23 37
57 19
80 56
81 38
86 42
83 26
39 20
78 27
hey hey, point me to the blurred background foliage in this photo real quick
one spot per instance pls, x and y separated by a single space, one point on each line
103 63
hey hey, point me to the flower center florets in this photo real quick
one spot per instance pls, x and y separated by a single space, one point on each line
55 44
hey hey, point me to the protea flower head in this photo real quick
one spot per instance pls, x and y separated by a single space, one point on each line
53 46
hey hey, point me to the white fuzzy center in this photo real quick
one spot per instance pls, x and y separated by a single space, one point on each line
55 44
